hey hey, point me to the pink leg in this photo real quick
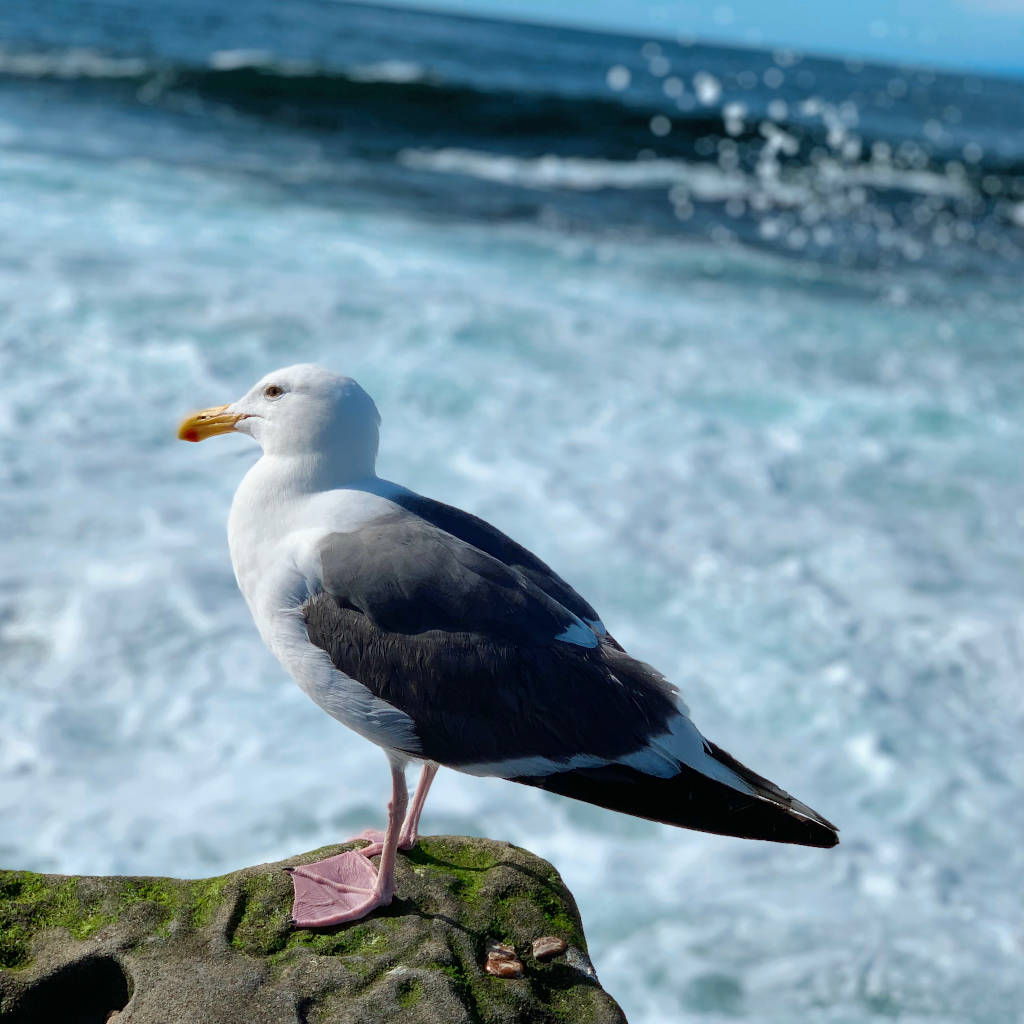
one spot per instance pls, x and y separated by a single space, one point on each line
345 887
410 827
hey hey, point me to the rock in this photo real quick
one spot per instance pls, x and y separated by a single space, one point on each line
502 961
168 951
548 946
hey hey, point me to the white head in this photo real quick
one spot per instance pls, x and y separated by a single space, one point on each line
302 410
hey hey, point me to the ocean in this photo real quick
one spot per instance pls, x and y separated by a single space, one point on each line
733 339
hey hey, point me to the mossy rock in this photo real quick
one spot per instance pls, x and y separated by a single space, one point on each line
165 950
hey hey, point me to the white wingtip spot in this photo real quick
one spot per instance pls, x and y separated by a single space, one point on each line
682 744
579 635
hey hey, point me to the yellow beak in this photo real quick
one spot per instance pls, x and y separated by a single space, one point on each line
201 425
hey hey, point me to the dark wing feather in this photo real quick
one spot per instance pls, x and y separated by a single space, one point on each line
466 646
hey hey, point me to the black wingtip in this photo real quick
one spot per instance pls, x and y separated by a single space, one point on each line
694 800
822 834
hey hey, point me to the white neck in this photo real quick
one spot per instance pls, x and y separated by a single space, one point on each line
283 494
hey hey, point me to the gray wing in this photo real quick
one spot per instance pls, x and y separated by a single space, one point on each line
487 664
499 677
481 535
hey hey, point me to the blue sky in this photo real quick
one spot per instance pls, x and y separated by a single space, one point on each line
980 34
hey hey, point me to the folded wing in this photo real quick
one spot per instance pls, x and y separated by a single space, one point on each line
502 677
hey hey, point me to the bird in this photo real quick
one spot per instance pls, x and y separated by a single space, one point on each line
434 635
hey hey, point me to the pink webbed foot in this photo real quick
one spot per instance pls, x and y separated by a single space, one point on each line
335 890
375 841
346 887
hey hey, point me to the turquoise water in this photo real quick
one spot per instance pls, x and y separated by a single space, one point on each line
789 479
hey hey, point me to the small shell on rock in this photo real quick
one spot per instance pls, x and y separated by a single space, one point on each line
548 946
503 968
502 961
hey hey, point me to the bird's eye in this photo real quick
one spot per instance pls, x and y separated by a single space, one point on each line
273 391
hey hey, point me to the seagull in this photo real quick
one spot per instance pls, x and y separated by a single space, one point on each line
437 637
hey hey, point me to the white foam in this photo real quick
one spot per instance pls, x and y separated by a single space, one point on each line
231 60
397 71
703 181
71 63
631 438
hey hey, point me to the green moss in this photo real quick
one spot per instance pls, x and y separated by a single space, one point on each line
459 855
165 897
21 886
465 864
539 911
31 902
13 946
205 897
573 1004
14 936
164 892
410 992
371 937
261 923
552 905
463 989
91 920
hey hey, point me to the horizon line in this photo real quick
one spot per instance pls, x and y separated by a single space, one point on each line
685 39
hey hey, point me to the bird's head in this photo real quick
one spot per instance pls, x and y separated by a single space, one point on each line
300 410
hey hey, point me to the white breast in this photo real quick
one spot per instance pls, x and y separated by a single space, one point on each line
274 531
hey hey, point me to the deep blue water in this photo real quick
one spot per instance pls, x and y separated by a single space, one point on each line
735 340
848 164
